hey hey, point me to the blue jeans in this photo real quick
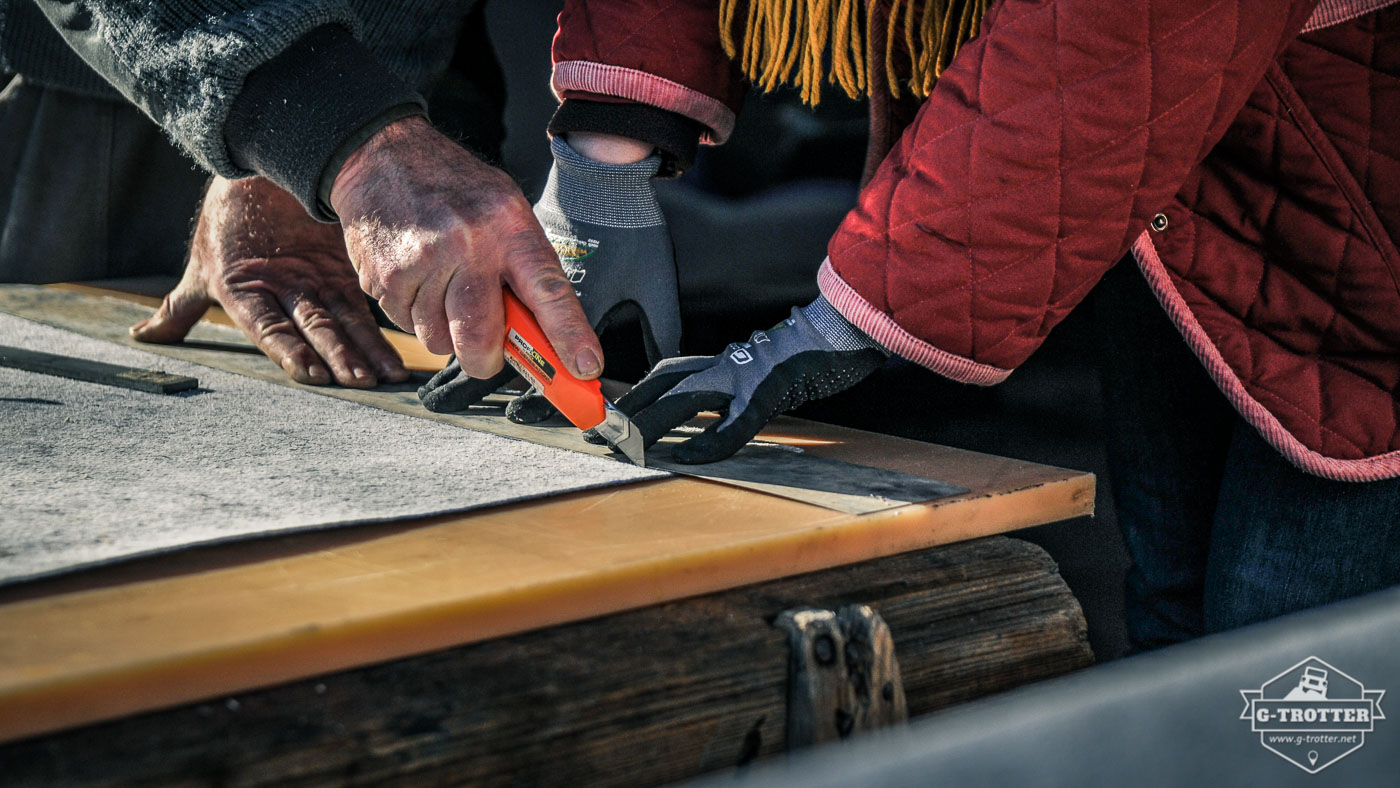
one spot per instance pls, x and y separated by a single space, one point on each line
1221 529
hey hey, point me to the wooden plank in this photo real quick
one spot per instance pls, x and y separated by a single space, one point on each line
152 381
638 698
152 634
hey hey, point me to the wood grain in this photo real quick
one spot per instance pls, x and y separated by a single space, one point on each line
637 698
843 674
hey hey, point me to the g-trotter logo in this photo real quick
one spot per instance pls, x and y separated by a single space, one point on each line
1312 714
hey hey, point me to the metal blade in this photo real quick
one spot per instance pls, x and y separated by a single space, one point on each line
619 432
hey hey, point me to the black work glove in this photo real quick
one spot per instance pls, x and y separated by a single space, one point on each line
606 225
449 391
813 354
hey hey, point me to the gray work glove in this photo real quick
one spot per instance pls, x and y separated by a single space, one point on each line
813 354
607 227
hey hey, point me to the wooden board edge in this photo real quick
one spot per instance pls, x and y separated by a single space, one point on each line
313 651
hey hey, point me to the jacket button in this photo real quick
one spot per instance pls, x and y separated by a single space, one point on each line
1159 222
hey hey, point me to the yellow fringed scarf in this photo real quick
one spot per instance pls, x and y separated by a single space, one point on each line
786 41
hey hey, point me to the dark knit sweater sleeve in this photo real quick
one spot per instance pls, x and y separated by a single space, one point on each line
674 135
30 46
271 87
301 114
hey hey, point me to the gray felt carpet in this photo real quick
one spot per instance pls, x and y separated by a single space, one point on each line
91 474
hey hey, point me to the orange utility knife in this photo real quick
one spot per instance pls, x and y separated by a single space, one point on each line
581 401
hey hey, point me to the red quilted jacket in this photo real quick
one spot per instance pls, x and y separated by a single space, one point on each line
1246 151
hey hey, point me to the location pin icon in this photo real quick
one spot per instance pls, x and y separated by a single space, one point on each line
1312 757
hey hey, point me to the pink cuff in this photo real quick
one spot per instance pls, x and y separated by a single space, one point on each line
645 88
1335 12
1369 469
882 328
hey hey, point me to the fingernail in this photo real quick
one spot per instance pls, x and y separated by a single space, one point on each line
587 362
361 373
318 373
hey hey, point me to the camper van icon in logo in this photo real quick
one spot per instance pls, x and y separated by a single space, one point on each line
1312 715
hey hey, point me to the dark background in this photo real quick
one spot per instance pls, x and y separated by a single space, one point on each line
750 224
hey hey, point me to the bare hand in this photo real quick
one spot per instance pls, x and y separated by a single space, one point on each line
436 233
285 280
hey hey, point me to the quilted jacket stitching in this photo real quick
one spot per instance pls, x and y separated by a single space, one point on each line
1362 469
676 48
982 119
1368 65
1083 287
1209 220
1285 402
974 299
1341 176
1334 315
1247 370
886 267
1370 118
1058 172
1272 118
636 31
1034 255
1336 138
1257 388
1056 246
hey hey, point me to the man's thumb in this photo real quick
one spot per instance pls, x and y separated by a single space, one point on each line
178 313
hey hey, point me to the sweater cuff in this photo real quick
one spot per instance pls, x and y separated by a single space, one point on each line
302 113
675 136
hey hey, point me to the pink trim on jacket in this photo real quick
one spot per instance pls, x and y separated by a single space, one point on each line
1369 469
644 88
1335 12
882 328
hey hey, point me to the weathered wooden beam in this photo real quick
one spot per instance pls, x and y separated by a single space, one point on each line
636 698
843 674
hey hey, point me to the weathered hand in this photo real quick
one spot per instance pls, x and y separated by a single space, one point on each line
605 222
606 225
435 234
813 354
285 280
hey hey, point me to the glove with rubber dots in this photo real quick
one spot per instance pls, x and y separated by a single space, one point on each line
813 354
451 391
606 225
